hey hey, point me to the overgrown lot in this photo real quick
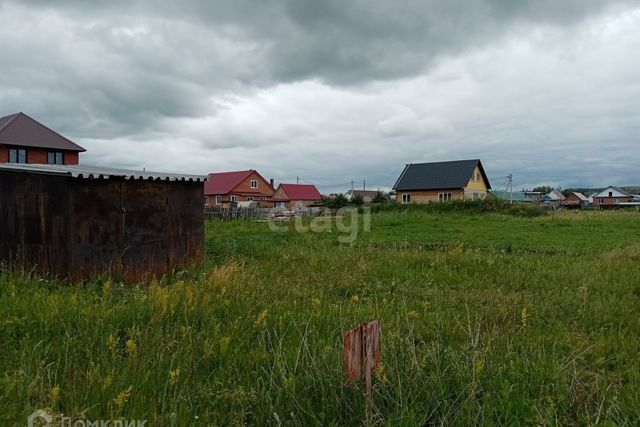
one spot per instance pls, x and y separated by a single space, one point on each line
487 319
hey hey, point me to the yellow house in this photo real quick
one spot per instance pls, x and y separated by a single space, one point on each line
442 182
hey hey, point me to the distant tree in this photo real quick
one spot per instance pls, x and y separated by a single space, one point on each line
339 201
544 189
357 200
380 197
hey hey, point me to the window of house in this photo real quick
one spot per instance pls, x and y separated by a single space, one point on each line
601 200
218 200
55 158
17 155
476 196
249 199
406 198
234 198
444 197
206 200
478 176
254 183
616 200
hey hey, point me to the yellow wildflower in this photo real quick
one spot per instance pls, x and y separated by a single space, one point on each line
412 314
524 316
315 301
262 317
123 397
112 344
478 366
355 299
106 288
132 347
380 375
173 376
54 393
224 344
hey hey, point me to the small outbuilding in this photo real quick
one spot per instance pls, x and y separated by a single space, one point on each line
74 222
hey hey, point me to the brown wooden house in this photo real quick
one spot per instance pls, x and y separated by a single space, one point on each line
224 189
24 140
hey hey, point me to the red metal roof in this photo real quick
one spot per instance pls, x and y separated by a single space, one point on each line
21 130
301 191
224 182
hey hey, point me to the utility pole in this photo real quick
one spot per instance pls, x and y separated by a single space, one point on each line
297 180
352 186
364 185
510 187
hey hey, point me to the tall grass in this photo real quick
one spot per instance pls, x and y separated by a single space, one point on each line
487 320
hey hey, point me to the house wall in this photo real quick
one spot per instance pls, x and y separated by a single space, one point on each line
477 185
610 202
429 196
76 228
39 156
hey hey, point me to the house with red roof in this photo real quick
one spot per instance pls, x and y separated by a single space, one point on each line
222 189
296 196
25 140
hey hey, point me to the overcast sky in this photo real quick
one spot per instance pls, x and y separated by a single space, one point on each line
335 90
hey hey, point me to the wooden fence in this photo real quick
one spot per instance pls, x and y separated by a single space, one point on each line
252 214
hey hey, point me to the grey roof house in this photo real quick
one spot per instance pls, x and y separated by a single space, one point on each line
442 182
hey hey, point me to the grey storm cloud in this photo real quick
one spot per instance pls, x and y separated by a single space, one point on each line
292 86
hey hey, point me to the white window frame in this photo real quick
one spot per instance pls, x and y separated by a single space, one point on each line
218 200
249 199
234 199
406 198
206 200
445 197
253 183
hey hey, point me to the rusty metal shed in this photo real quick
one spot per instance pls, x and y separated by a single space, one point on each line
77 221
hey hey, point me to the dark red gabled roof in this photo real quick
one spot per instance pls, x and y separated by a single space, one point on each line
301 191
225 182
21 130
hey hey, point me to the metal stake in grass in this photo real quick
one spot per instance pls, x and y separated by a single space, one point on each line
362 354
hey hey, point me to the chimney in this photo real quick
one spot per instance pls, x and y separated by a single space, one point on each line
271 182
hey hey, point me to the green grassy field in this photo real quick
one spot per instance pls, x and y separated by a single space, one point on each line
487 320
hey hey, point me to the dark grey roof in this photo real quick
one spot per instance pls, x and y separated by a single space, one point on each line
21 130
440 175
95 172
